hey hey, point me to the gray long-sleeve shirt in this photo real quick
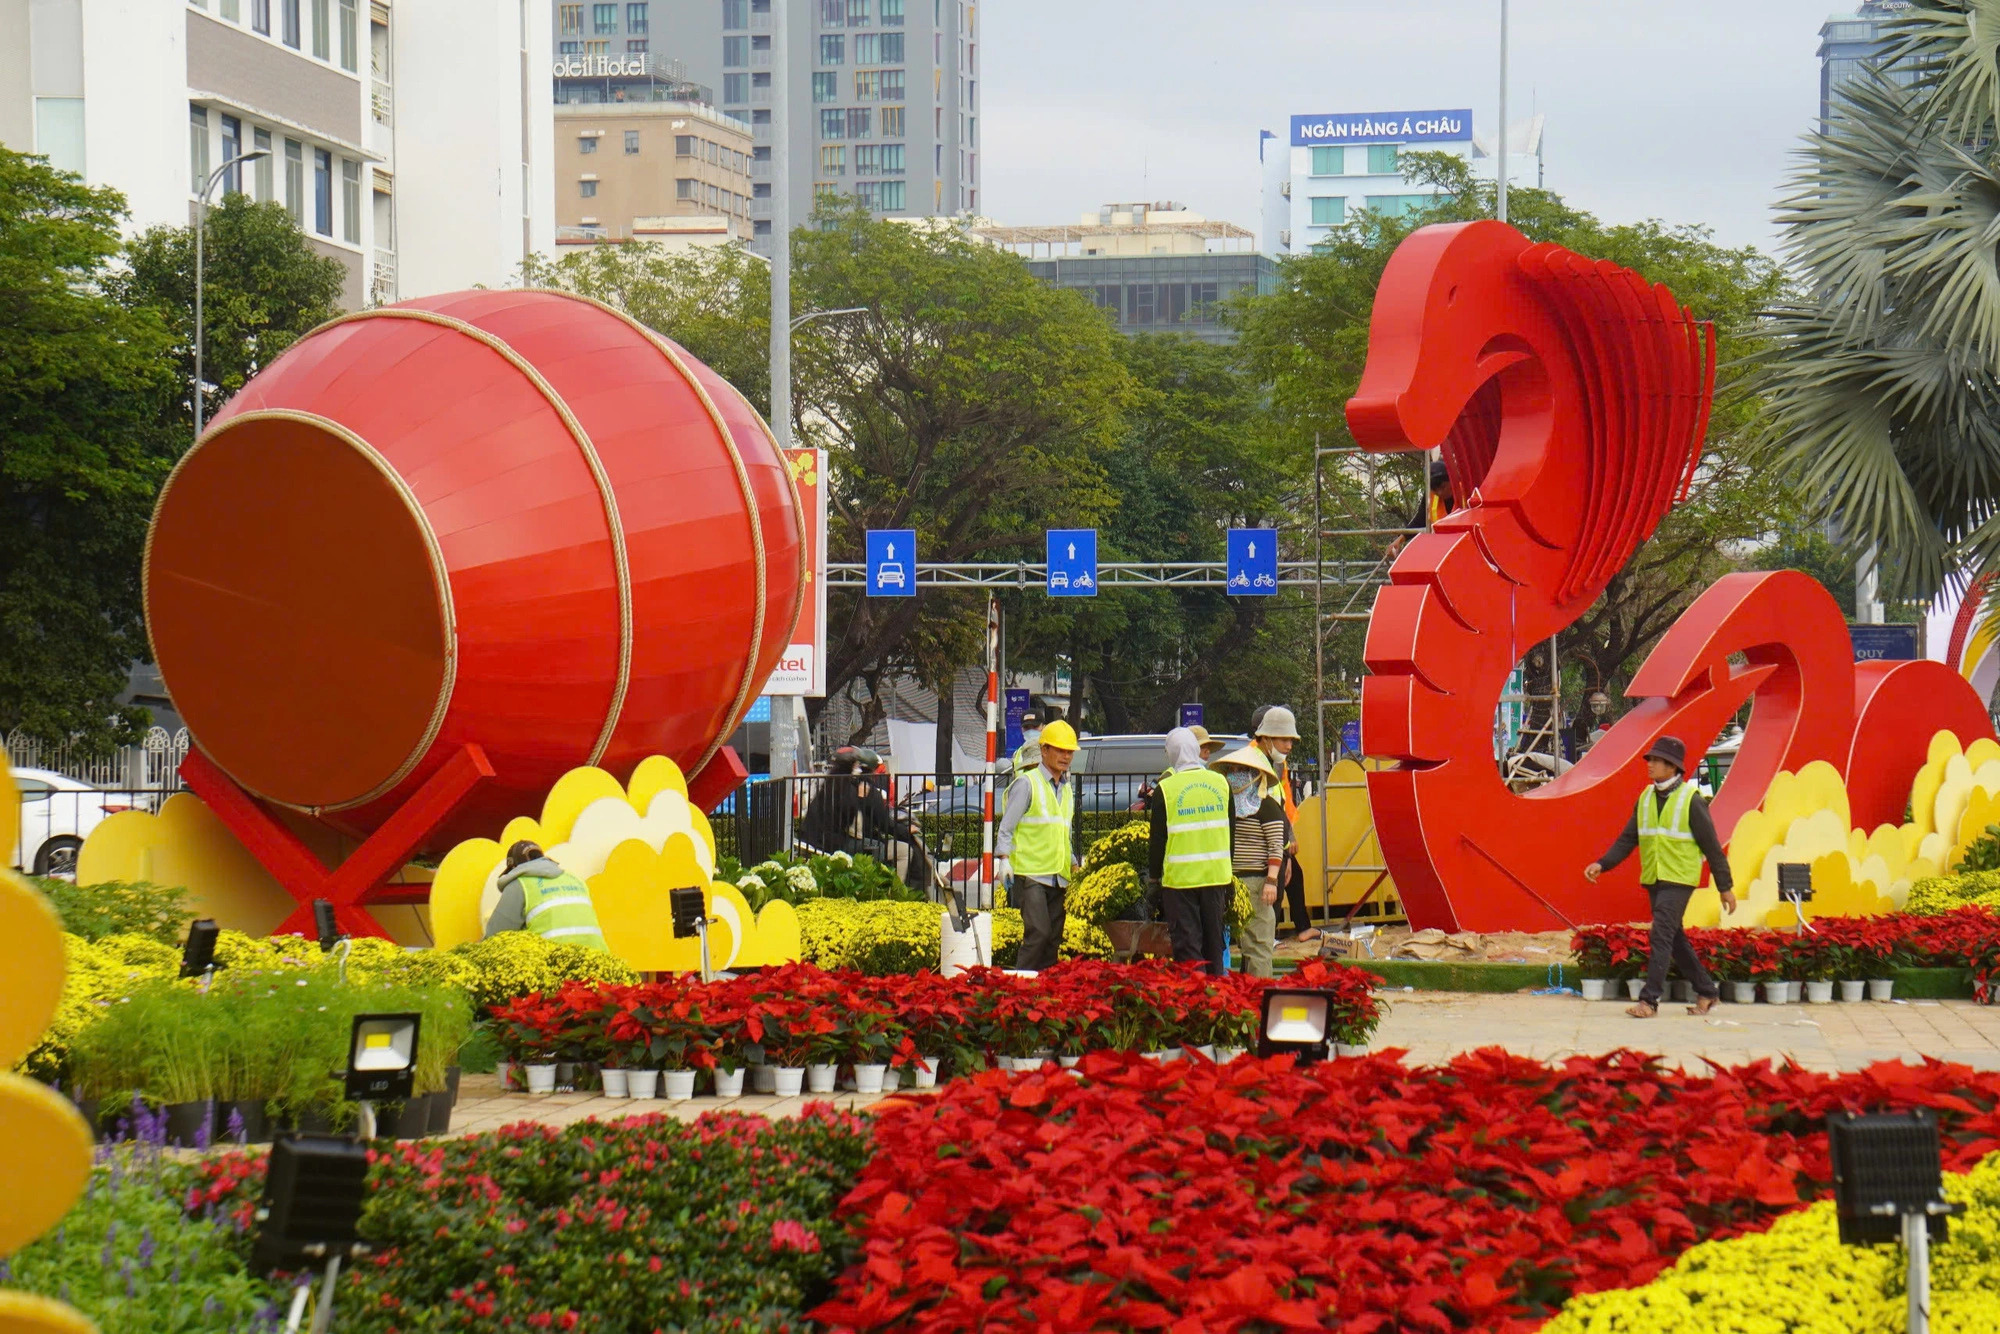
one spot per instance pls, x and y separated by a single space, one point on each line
1700 824
1019 798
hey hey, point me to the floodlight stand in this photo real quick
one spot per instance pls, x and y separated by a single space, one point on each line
365 1121
207 976
1801 926
346 948
701 930
322 1313
1917 1245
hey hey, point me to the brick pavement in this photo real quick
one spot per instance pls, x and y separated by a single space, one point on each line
1435 1026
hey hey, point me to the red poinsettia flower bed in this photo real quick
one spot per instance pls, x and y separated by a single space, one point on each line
1357 1195
1837 947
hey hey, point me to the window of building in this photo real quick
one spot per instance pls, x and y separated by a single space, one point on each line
826 87
867 85
833 161
1139 303
857 122
570 19
636 19
857 13
229 9
260 16
635 46
892 122
736 51
892 15
569 48
1381 159
1330 210
892 86
197 149
684 187
586 143
1398 205
350 35
684 145
833 48
260 170
596 48
232 146
604 18
588 189
879 160
833 13
322 192
350 201
631 142
322 18
735 13
1107 298
883 196
833 124
295 181
1170 303
735 88
1329 161
288 23
1201 296
884 48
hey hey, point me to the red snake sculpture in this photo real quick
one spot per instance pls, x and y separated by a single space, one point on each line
1570 398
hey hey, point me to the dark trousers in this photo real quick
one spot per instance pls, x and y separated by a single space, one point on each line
1670 945
1041 905
1194 924
1295 894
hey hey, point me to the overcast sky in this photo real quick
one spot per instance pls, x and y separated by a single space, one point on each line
1687 111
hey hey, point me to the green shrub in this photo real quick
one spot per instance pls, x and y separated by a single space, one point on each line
881 939
832 875
129 1257
116 908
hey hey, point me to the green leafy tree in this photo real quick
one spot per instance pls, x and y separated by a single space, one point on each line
1884 375
83 381
263 288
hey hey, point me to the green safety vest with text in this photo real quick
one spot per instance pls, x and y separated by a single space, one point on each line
558 908
1667 850
1197 802
1041 839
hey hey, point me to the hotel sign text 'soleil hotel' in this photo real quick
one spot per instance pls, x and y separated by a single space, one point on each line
1332 165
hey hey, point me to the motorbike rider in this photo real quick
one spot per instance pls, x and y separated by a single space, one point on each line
849 798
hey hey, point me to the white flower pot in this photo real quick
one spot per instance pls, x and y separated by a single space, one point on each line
764 1079
1633 986
923 1074
1207 1050
1743 993
868 1078
679 1085
542 1077
820 1078
615 1085
1224 1055
1819 993
1682 990
787 1079
1595 988
1853 989
729 1083
643 1083
1879 988
1350 1049
1795 991
1778 993
1068 1062
504 1071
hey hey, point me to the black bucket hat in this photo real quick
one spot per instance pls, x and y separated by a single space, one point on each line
1670 749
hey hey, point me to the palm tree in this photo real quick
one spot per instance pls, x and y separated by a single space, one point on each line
1883 383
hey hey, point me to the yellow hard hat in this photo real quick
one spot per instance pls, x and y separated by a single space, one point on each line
1059 735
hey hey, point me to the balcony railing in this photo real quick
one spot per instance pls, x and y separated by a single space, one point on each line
382 285
382 103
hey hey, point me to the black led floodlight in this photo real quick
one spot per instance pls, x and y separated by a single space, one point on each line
382 1056
313 1194
198 954
1296 1021
689 908
1885 1165
327 924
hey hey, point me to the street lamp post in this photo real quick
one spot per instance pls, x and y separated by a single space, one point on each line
201 227
1500 211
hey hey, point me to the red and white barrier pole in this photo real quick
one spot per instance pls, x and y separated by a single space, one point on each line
992 745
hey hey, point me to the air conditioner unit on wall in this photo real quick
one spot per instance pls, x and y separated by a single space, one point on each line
1286 189
1285 237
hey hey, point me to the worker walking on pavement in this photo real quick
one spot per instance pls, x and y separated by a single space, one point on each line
1674 833
1034 846
1187 853
1256 841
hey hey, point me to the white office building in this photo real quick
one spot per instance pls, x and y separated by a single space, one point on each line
411 141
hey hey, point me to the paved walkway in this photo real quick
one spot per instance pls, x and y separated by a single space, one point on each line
1435 1026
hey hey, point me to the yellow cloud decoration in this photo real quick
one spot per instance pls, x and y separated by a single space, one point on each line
45 1146
630 844
1343 823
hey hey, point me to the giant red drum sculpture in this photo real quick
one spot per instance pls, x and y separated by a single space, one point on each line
514 532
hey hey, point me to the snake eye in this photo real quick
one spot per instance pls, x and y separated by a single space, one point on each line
1451 297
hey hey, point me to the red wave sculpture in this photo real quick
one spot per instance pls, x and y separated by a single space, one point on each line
1570 399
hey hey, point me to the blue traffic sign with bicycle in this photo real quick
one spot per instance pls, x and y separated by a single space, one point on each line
1253 562
1072 561
891 557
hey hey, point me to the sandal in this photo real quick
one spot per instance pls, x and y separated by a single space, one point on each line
1642 1010
1703 1004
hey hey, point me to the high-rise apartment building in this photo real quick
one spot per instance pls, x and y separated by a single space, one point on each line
1849 42
410 141
1333 165
624 168
883 94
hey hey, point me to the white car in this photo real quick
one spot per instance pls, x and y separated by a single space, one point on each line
57 814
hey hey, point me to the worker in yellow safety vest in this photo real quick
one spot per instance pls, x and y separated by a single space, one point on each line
538 895
1034 847
1674 834
1187 852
